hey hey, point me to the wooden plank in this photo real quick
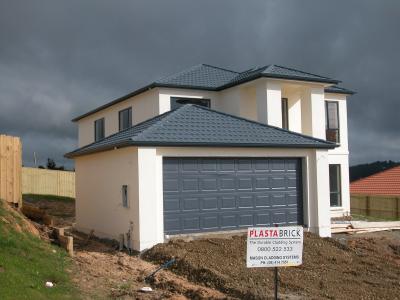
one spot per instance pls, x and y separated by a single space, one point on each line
67 242
361 224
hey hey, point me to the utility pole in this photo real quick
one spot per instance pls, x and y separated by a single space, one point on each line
34 159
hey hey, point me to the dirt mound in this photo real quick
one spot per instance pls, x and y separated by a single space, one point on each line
330 270
101 272
16 220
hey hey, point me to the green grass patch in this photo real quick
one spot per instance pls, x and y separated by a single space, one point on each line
357 217
36 198
26 263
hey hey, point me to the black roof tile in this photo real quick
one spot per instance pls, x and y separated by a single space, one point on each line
206 77
192 125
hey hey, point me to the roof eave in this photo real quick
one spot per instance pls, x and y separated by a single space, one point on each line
134 93
346 92
74 154
299 78
78 152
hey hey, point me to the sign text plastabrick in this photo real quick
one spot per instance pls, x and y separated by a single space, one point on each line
274 246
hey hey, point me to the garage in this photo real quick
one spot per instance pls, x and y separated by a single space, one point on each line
203 194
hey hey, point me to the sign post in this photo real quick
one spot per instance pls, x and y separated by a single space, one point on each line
275 247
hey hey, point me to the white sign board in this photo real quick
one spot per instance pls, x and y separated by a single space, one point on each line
274 246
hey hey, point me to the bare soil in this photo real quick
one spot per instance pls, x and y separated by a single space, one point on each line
363 266
63 212
101 272
359 266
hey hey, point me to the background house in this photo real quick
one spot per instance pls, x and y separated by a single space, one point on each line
377 195
265 146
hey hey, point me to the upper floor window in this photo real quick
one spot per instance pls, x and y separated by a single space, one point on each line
99 129
178 102
125 118
332 121
285 114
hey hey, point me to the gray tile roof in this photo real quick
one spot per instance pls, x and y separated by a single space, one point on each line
200 76
192 125
338 90
206 77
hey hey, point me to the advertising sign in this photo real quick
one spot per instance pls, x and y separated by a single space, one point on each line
274 246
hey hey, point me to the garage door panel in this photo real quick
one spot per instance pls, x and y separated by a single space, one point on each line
245 219
227 184
189 165
244 165
171 185
244 183
210 222
262 201
208 165
228 220
209 184
278 199
245 201
171 204
226 165
190 204
210 203
261 165
190 185
208 194
277 182
261 183
277 165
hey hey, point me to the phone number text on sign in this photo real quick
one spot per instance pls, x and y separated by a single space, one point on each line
274 246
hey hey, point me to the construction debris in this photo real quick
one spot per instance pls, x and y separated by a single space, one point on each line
364 227
146 289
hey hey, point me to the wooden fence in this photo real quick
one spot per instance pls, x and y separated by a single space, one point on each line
10 169
48 182
376 206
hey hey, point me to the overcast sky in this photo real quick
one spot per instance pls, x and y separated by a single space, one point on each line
59 59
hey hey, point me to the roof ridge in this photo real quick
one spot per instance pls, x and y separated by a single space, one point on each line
375 175
175 74
215 67
265 125
297 70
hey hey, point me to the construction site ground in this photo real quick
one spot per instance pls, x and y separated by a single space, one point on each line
347 266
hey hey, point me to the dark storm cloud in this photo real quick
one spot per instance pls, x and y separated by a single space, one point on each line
59 59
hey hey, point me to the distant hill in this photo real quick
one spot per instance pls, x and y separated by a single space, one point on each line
364 170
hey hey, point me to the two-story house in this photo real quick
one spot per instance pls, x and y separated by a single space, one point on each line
210 149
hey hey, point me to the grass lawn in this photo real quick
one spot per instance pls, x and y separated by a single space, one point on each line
26 263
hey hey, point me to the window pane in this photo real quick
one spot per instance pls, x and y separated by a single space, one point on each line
333 119
125 196
334 185
99 129
178 102
285 114
125 119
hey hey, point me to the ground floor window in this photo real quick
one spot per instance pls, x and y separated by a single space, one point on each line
335 186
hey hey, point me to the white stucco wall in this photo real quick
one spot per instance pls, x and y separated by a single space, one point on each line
99 180
144 106
340 155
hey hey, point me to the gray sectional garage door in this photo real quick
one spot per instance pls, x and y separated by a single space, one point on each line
212 194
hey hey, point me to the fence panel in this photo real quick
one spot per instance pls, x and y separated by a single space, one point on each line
10 169
48 182
376 206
